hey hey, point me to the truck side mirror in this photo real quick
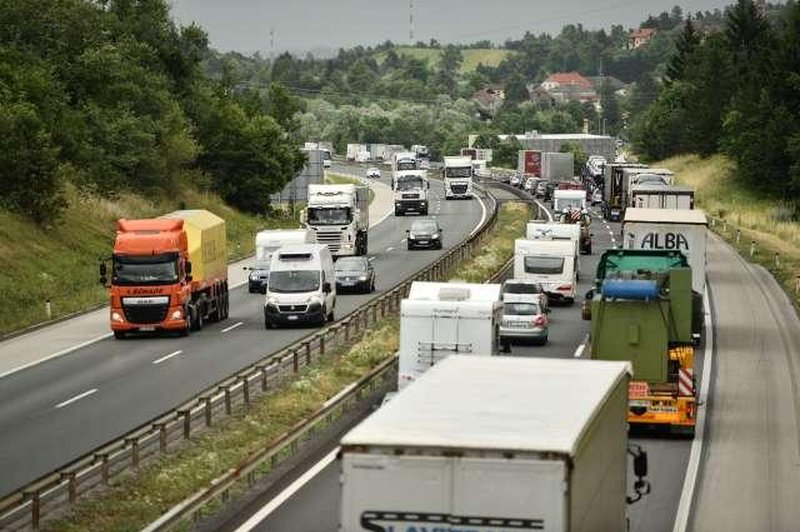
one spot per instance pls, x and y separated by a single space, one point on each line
326 287
103 274
640 464
103 280
429 185
303 218
188 268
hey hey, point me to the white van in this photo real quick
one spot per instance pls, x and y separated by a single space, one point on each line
267 242
569 199
553 263
301 286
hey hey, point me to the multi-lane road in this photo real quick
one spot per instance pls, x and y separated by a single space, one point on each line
56 411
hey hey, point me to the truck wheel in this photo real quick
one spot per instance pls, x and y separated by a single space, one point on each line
505 345
424 211
329 317
183 332
398 212
119 335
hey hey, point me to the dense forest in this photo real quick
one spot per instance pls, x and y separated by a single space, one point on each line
109 96
736 91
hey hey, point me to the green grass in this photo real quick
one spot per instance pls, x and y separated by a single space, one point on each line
763 221
337 179
511 225
471 58
60 262
138 499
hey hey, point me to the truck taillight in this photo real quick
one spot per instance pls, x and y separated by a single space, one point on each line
564 288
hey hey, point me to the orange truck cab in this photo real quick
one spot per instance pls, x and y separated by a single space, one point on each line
168 274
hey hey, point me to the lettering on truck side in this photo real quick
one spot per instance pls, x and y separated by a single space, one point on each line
665 241
377 521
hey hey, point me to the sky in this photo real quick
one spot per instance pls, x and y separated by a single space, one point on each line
311 25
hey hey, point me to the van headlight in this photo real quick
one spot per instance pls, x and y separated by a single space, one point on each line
434 236
313 299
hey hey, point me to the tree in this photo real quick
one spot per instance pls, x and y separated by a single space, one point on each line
610 108
578 154
686 45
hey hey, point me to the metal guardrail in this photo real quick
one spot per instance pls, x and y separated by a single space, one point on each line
26 507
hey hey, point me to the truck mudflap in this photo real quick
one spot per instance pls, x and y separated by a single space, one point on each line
672 403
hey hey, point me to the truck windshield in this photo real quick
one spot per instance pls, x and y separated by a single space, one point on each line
406 165
294 281
544 265
145 270
329 216
458 172
409 183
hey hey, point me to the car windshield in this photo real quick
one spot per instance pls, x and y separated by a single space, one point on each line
294 281
544 265
409 183
458 172
521 309
423 227
334 216
145 270
522 288
351 264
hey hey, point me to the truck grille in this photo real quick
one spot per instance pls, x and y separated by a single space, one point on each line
145 313
331 239
292 308
410 196
458 189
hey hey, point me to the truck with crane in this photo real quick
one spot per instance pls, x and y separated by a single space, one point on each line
168 274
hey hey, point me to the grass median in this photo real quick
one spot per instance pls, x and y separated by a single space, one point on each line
767 223
139 498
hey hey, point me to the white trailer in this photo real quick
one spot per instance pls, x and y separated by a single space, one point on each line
339 217
654 196
354 151
549 231
558 166
442 319
457 174
494 445
568 199
670 229
554 264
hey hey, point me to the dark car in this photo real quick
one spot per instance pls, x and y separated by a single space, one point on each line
354 273
425 234
258 277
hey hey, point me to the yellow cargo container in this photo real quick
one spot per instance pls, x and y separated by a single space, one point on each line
207 244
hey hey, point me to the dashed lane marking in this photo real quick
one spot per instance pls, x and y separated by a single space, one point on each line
78 397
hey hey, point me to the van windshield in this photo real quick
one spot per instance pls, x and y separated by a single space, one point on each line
294 281
544 265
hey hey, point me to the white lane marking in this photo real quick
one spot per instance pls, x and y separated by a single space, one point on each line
371 258
58 354
389 249
579 351
78 397
167 357
287 494
232 327
693 467
402 240
483 217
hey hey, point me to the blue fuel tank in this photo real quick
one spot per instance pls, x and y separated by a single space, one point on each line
630 289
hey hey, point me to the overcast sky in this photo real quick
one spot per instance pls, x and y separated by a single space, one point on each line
244 25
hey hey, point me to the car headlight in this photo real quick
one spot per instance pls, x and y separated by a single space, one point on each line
434 236
117 317
412 236
363 278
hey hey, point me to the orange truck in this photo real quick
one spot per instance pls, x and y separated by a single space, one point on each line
168 273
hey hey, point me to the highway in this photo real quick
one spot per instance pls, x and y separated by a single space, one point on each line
58 410
314 506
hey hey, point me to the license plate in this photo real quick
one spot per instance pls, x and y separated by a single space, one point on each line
291 318
422 241
147 328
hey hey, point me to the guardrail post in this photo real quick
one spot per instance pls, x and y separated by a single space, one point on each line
346 325
162 436
245 390
207 410
383 307
227 391
322 344
374 308
104 473
308 352
35 509
738 235
263 371
134 443
72 488
187 422
777 260
752 247
295 361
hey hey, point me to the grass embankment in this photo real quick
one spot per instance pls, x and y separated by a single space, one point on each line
471 58
138 499
338 179
766 222
60 262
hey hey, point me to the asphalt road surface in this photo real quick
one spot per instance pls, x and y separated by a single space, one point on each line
56 411
314 507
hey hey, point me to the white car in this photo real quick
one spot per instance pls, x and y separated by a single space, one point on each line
326 163
373 173
597 197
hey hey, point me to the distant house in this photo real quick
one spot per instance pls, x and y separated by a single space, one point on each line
489 100
640 37
563 87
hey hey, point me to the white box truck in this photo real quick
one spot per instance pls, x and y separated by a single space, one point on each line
670 229
554 264
457 175
557 166
339 217
494 445
655 196
353 151
442 319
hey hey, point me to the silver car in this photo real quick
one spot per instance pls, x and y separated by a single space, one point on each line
523 321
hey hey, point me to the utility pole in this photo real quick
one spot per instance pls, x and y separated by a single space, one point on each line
411 22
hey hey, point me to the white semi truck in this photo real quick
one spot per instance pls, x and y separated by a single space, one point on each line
411 188
457 174
496 445
339 217
442 319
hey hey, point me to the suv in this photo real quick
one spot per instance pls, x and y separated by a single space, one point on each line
425 233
